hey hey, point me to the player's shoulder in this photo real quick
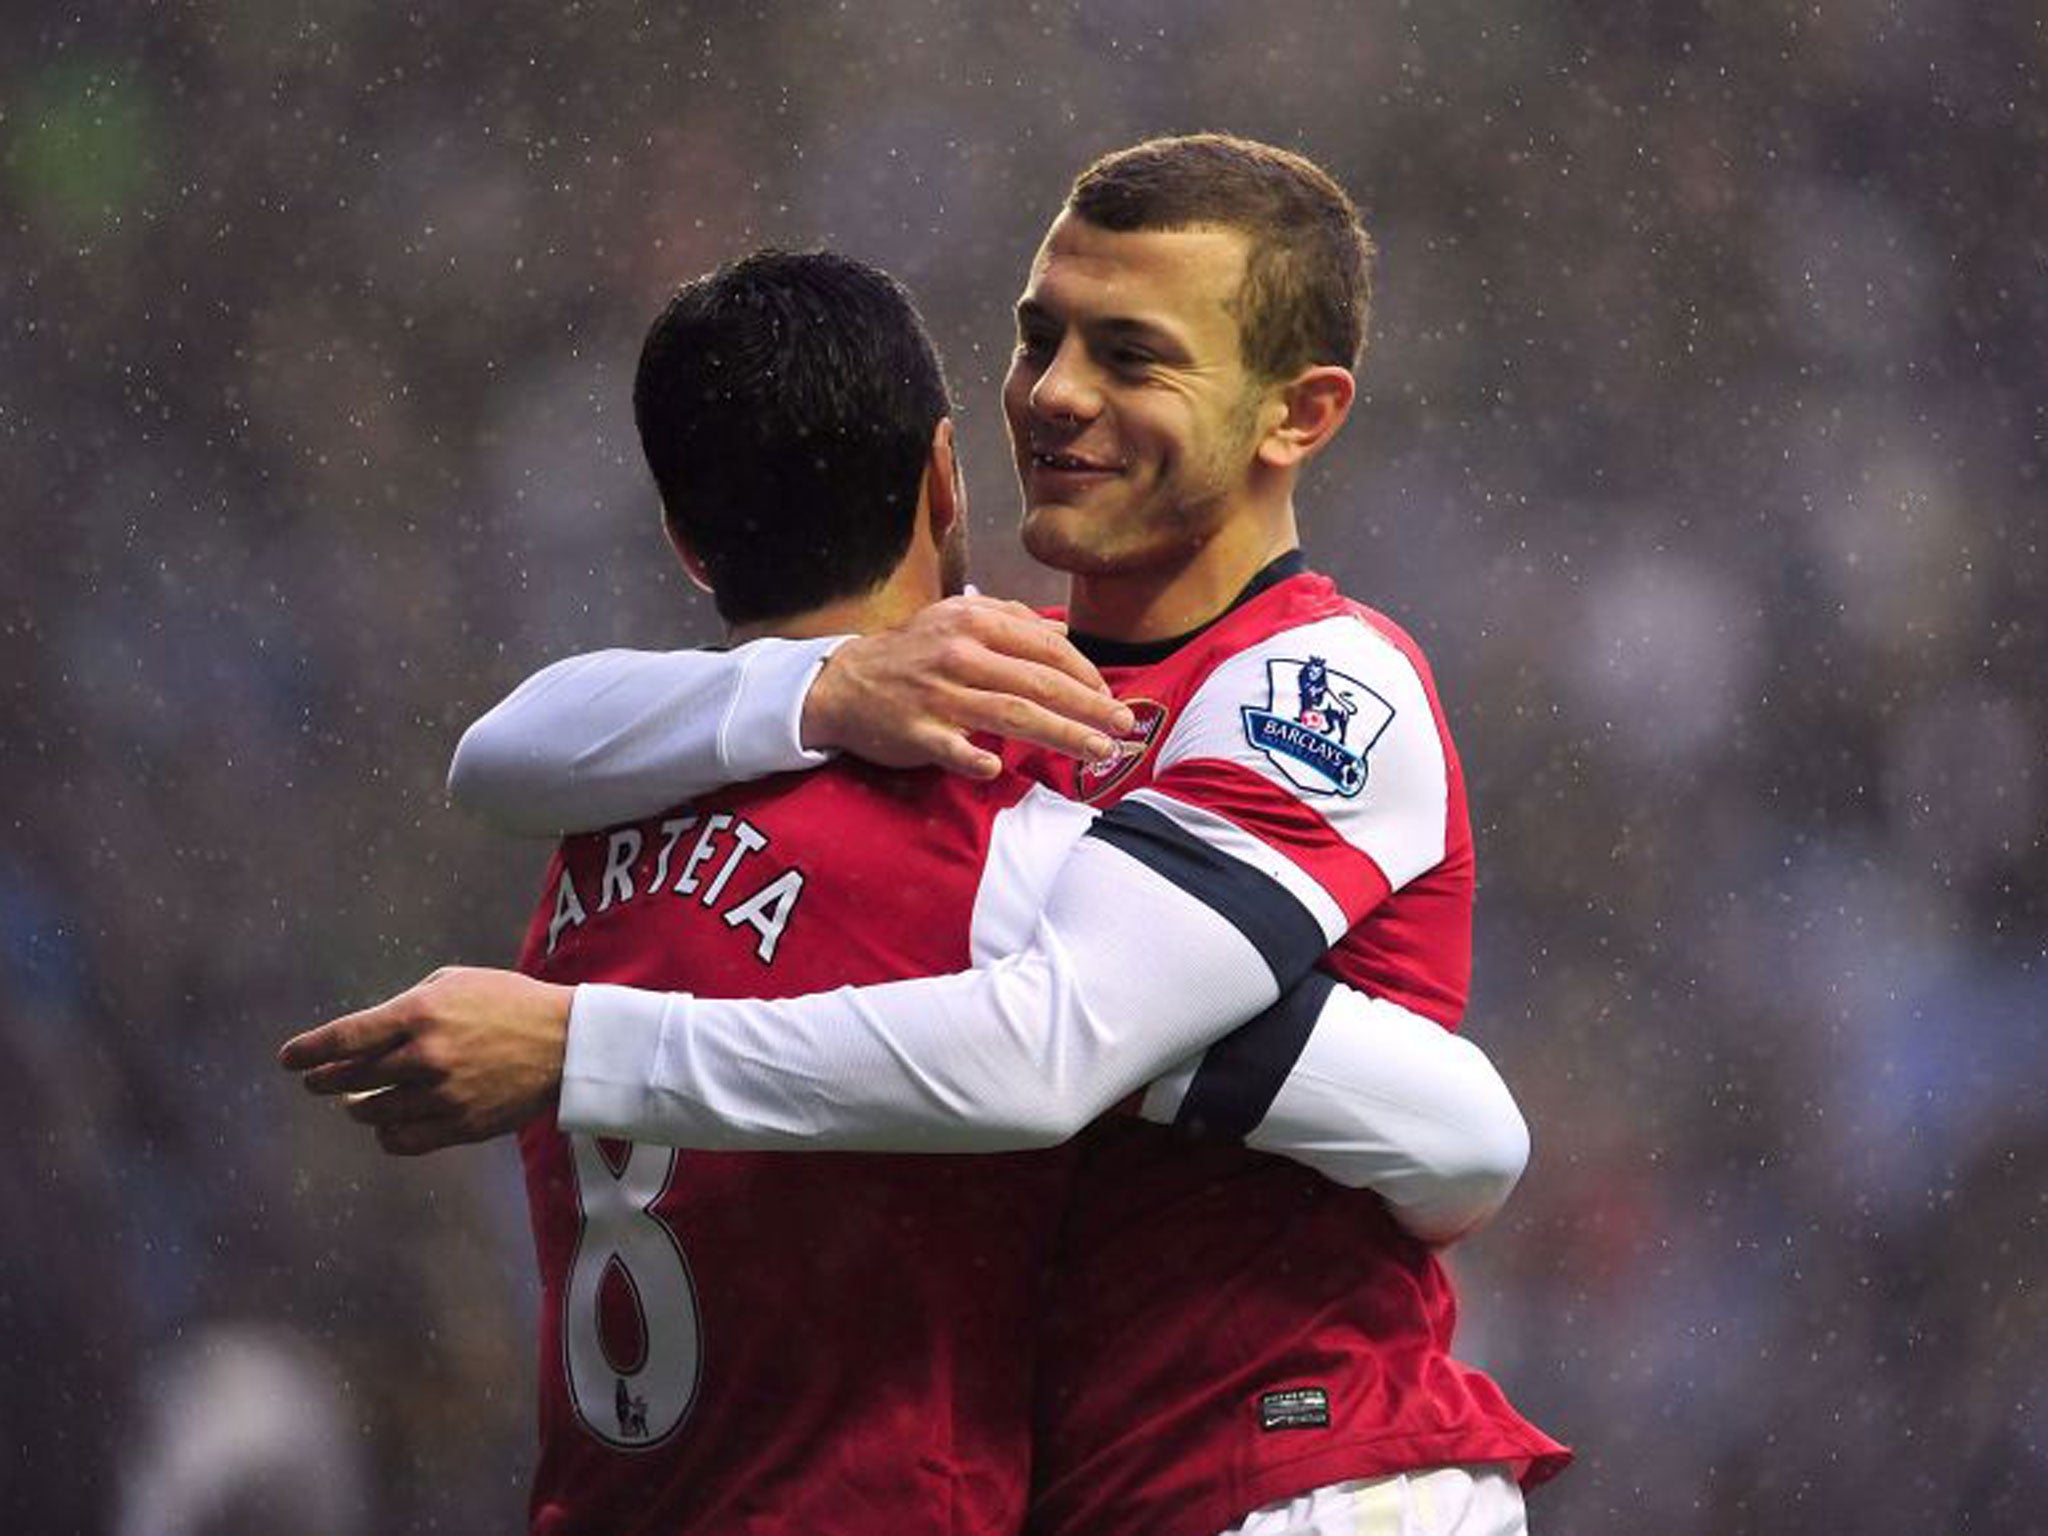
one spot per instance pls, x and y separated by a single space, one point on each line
1314 690
1389 634
928 796
1307 629
1314 703
848 802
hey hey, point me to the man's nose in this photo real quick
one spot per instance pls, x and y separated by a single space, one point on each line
1067 389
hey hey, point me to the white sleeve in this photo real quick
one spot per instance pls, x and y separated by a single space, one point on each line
1125 974
1095 973
1367 1093
1168 925
1359 800
605 737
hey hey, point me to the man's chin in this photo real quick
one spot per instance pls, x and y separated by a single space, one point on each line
1058 535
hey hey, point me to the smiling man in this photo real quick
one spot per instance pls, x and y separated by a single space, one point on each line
1233 1341
1133 419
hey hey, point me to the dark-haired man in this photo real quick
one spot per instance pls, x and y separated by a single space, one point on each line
750 1341
1232 1336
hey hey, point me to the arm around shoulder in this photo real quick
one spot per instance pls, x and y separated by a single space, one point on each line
1021 1052
601 738
1384 1099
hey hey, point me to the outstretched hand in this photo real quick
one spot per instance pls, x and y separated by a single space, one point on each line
465 1055
911 696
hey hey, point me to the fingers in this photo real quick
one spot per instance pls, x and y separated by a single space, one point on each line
396 1106
411 1120
953 752
362 1074
968 665
407 1070
1041 682
1020 719
1014 630
370 1032
1021 677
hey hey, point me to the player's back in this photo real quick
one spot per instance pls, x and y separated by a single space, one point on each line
781 1342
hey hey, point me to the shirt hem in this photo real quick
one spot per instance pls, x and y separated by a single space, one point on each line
1208 1513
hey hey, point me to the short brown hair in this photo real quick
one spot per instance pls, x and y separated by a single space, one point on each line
1307 290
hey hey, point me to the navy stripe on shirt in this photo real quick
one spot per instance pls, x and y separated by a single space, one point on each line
1241 1074
1283 931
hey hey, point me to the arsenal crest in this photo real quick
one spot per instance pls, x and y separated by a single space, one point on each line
1097 779
1317 726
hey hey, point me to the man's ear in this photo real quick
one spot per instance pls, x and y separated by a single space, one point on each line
693 564
1313 405
945 492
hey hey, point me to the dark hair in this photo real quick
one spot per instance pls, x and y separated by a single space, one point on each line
1307 291
786 404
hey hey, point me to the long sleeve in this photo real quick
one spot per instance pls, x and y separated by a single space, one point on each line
1125 974
1178 916
1026 1050
1367 1093
612 735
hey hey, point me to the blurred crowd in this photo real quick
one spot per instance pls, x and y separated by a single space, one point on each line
1701 444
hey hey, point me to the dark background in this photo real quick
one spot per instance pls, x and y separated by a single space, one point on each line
1701 445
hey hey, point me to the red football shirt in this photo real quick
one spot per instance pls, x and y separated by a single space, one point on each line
1226 1329
773 1343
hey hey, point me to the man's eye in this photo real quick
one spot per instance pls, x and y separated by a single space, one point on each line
1034 346
1131 359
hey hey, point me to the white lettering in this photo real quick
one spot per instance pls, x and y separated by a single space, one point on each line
675 828
568 910
618 867
768 911
750 841
686 882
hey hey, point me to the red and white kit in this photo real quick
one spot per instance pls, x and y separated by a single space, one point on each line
765 1342
1227 1330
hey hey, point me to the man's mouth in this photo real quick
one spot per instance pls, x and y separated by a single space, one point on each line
1070 464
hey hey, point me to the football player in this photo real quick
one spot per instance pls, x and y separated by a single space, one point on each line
1233 1342
743 1340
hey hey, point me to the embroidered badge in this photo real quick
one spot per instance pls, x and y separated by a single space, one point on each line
1317 726
1094 780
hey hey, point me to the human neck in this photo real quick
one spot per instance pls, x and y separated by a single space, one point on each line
1158 604
883 607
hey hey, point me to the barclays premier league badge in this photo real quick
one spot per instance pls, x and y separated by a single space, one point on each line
1317 726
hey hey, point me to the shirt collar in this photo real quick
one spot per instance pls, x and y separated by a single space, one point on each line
1137 653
